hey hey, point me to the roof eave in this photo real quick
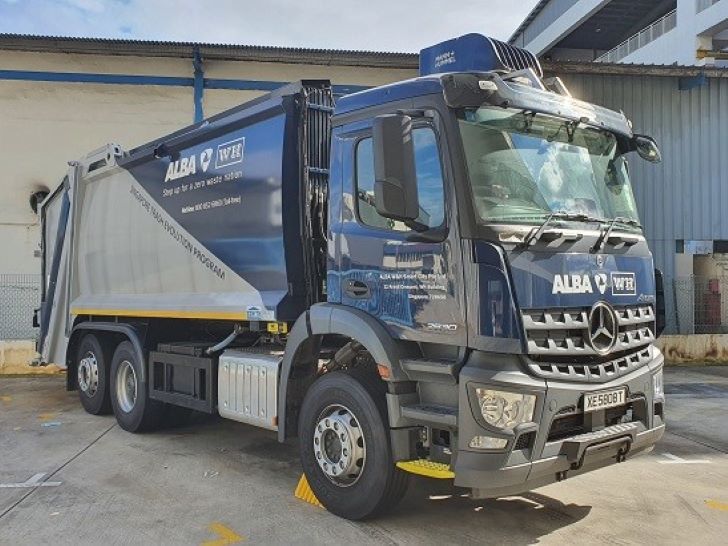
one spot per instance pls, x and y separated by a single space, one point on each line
98 46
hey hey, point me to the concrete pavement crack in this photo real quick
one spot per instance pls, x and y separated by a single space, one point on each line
56 471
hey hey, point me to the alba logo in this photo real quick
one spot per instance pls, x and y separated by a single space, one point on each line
600 279
572 284
623 284
205 158
230 153
184 166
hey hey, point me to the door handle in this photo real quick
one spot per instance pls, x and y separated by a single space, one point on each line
357 289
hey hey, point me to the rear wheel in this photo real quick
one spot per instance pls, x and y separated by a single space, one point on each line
345 447
92 376
133 408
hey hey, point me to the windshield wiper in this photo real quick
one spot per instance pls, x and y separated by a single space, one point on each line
604 237
535 235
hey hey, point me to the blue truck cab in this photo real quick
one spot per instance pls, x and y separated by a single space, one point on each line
444 276
521 281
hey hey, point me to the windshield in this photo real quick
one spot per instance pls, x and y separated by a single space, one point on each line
524 166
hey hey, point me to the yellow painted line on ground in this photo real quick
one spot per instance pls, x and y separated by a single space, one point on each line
717 505
46 416
161 313
6 399
225 535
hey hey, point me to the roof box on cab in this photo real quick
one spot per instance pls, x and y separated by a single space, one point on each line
476 53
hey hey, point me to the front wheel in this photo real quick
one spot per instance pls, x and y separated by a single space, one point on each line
345 446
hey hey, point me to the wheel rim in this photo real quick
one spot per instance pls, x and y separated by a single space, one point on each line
88 374
126 386
338 445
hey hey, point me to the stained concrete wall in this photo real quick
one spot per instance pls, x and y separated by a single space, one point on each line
695 348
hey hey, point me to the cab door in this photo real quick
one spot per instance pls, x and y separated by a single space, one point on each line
409 280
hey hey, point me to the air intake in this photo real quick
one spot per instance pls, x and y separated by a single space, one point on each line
476 53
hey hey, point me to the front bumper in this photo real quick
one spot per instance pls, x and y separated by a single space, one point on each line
540 453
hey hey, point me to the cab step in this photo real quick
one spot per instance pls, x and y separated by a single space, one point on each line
423 467
431 414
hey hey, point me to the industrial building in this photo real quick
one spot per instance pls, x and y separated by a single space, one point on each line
681 202
62 97
683 32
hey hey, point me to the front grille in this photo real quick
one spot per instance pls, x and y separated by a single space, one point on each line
592 372
566 331
559 345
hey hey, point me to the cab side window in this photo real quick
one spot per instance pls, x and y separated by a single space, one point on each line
430 186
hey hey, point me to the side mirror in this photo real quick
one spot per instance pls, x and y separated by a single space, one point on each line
660 314
647 148
395 180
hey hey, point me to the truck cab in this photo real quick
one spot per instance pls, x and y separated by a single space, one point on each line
486 218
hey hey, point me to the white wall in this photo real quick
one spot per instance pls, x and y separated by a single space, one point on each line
692 31
665 50
45 124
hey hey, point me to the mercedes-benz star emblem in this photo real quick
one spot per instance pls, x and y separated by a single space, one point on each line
602 327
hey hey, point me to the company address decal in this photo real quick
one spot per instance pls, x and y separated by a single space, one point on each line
622 283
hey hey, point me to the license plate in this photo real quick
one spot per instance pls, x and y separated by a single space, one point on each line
602 400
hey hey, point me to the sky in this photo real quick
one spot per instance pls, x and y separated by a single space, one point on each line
377 25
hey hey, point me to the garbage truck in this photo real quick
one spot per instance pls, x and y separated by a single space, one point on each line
444 276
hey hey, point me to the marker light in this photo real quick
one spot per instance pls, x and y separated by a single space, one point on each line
505 410
488 442
658 390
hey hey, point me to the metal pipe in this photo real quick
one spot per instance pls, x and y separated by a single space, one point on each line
225 342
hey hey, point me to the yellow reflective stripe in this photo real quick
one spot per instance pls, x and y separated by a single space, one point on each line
161 313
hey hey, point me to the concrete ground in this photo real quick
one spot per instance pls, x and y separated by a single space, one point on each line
218 481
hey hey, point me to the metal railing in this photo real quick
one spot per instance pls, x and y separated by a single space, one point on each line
19 296
639 40
702 5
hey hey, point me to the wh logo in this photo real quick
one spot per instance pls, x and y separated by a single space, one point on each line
623 284
230 153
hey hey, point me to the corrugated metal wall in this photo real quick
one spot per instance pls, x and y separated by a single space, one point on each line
686 196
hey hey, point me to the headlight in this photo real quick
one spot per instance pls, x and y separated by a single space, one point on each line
658 390
505 410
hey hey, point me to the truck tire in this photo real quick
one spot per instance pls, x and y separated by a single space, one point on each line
92 375
345 446
134 410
